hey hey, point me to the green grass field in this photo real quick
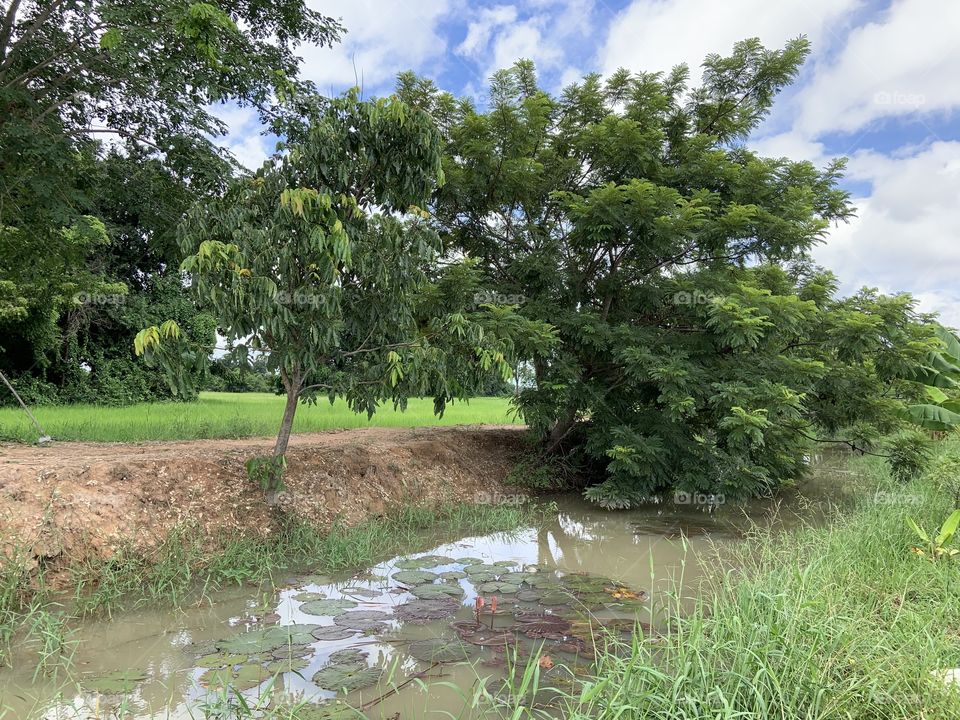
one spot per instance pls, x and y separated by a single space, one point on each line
231 415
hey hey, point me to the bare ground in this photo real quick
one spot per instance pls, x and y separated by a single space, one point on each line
75 501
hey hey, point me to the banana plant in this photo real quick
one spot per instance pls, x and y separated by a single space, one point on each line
941 372
936 548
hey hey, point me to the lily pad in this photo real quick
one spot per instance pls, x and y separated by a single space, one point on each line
361 592
440 650
427 592
420 612
347 677
220 660
426 561
414 577
503 588
288 665
333 632
453 575
327 607
244 677
308 596
270 638
556 598
515 577
347 656
470 560
114 683
506 563
529 595
362 620
286 652
482 568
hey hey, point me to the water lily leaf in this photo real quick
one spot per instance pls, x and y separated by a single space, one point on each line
414 577
529 595
334 710
480 578
427 592
347 656
347 677
333 632
362 620
361 592
220 660
286 652
506 563
556 598
327 607
243 677
287 665
440 650
482 568
420 612
453 575
516 578
114 683
503 588
540 580
426 561
470 560
308 596
268 639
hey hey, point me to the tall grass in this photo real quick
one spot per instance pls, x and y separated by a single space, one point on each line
231 415
843 621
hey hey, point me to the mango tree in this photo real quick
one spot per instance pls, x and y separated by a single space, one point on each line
323 262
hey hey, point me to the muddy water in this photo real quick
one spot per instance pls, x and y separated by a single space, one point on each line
586 573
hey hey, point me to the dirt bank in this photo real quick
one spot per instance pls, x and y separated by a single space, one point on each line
81 500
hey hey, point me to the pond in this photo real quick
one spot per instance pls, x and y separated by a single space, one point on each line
423 635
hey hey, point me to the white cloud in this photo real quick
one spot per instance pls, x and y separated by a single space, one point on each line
382 39
907 233
904 62
499 36
244 137
654 35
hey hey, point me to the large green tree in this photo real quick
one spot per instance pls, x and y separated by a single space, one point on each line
323 262
700 349
143 78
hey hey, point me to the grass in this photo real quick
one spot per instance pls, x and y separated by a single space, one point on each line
843 621
230 415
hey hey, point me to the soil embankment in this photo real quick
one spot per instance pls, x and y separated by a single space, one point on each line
70 501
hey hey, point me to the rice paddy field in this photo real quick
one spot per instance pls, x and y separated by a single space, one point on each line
232 415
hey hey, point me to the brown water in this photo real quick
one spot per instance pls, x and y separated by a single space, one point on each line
585 563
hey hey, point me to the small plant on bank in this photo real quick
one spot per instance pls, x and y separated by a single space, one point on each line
936 548
267 472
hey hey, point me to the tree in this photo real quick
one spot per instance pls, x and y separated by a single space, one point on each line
699 347
323 261
143 76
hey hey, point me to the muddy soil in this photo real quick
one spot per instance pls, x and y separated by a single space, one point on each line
82 501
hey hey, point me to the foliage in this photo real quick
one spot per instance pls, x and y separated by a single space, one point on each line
939 375
909 454
699 347
936 548
321 262
267 472
78 221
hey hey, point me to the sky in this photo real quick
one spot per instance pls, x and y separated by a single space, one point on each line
880 88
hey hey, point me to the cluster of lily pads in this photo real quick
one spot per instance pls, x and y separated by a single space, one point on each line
513 604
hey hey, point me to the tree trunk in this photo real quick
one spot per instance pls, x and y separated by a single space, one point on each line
292 386
560 431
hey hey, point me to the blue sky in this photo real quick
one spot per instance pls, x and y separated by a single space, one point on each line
880 88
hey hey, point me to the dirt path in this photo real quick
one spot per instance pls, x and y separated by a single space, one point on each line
82 500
